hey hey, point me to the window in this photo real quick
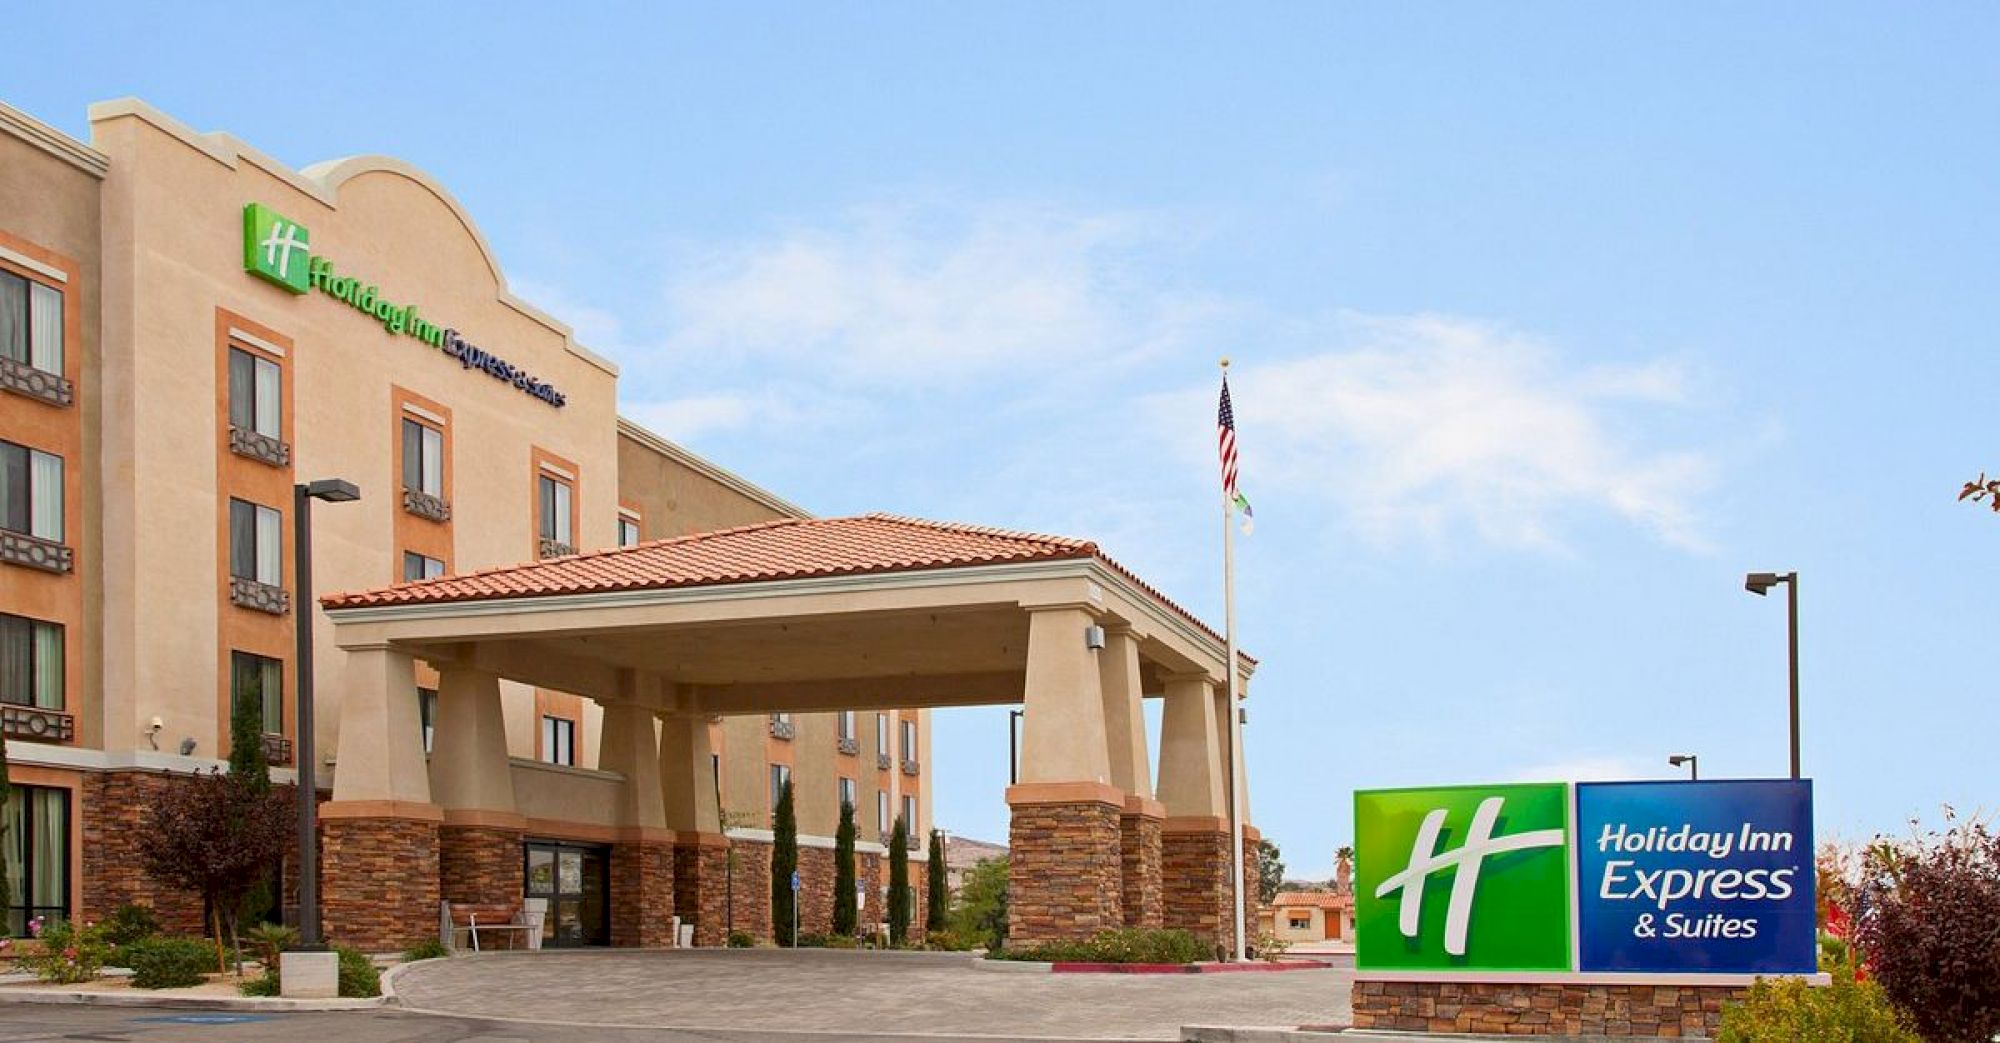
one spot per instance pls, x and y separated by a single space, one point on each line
845 724
253 393
1298 921
909 742
260 682
555 509
31 323
847 793
882 810
254 543
628 532
423 458
36 851
780 775
427 712
882 734
559 741
31 662
417 566
31 492
910 814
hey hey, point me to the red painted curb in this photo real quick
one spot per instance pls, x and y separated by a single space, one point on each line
1181 968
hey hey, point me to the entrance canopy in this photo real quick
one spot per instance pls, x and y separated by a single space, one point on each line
795 615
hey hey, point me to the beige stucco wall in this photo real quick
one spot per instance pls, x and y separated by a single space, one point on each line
173 221
675 497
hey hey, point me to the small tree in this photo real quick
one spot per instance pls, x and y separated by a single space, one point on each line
843 873
899 883
784 862
216 835
1927 924
246 740
981 911
937 889
1270 872
6 805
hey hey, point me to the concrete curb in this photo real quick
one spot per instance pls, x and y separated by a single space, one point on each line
1254 1034
1014 966
165 999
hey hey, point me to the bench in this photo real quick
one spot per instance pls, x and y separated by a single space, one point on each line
526 924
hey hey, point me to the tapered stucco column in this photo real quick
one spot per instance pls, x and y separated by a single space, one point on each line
1194 842
701 853
379 834
1141 817
479 843
642 859
1066 868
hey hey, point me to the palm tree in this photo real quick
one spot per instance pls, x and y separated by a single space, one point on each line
1343 869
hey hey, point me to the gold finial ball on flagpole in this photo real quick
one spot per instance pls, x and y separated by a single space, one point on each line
1225 362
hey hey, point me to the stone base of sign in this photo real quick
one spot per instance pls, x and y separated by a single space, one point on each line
1066 869
701 873
1543 1009
309 975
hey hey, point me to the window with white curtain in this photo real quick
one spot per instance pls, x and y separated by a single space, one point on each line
847 793
909 740
35 847
420 566
882 735
31 492
31 323
882 810
423 458
846 724
559 741
253 393
555 509
31 662
260 681
909 815
780 775
255 543
628 531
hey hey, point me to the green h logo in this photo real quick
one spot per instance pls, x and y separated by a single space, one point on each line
1463 878
276 248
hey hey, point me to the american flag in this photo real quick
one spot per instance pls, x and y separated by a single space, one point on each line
1225 433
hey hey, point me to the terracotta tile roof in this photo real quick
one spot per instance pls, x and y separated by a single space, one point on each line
790 548
1321 899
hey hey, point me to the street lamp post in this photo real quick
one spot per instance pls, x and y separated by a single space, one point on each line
1760 584
1693 764
332 490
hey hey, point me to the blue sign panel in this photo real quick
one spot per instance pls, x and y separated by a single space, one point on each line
1710 877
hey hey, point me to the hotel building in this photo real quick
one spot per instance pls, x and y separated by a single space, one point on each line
561 657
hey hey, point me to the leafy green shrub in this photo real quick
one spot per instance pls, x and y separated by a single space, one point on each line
1788 1009
842 941
169 963
949 940
1124 945
265 984
267 941
428 949
980 914
809 940
359 979
69 954
130 923
741 940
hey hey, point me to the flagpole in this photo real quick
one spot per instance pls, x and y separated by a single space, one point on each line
1235 715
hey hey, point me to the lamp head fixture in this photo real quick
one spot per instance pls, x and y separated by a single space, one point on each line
1679 759
1760 583
333 490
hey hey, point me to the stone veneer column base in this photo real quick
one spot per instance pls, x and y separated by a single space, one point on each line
816 889
479 871
1194 881
642 892
1663 1011
113 808
379 876
701 866
1064 866
1139 859
749 890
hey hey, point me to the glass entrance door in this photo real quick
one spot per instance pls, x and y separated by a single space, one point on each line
575 880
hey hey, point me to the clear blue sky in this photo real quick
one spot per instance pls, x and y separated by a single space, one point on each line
1550 322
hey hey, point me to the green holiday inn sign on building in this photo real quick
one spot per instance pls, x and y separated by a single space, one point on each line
279 251
1463 876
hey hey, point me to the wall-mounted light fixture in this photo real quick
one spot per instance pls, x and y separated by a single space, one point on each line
187 746
1093 638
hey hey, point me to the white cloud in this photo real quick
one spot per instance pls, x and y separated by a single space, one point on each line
936 295
1428 425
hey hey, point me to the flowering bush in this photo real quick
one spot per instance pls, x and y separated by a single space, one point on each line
1927 924
69 953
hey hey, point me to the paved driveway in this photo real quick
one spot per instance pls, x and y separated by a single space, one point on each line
866 993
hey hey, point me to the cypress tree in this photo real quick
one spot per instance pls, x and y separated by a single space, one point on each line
6 819
784 862
899 883
936 887
843 873
246 739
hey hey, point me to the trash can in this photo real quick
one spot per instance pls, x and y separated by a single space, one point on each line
684 935
674 932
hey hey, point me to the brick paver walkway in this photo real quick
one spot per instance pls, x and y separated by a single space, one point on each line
860 992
